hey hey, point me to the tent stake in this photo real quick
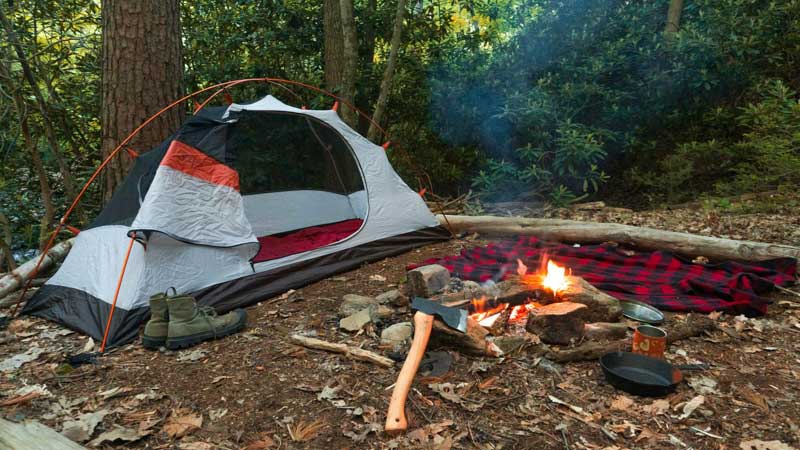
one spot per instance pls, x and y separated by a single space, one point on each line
116 295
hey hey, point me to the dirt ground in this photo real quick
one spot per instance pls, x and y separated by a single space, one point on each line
257 390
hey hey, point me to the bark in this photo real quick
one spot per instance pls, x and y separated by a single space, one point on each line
386 84
38 167
350 57
674 16
66 173
602 307
574 231
368 57
5 242
142 73
17 278
334 49
558 323
44 185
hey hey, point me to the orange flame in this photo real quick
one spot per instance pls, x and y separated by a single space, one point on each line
481 310
556 277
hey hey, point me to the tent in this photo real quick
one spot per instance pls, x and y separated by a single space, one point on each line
241 203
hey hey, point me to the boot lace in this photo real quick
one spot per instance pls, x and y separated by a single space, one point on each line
208 313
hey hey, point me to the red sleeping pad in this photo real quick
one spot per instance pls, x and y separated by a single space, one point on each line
299 241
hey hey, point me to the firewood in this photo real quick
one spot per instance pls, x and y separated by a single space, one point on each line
694 325
496 324
17 278
601 306
558 323
515 292
605 331
473 342
574 231
347 350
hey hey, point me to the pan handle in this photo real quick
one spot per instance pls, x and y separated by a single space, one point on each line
686 367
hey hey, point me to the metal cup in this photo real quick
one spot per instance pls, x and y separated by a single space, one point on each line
649 340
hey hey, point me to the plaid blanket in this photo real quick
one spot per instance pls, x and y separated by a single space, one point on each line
662 279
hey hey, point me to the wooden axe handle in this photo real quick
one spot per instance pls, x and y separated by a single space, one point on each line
396 416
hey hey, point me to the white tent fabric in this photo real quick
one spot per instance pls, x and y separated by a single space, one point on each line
386 204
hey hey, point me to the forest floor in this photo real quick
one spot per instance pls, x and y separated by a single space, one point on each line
257 390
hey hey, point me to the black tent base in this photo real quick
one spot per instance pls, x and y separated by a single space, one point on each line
87 314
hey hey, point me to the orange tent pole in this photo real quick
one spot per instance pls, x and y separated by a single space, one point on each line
116 295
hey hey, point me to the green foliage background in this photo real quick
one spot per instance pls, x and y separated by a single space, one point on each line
545 100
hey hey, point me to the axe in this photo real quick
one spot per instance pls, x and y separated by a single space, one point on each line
423 322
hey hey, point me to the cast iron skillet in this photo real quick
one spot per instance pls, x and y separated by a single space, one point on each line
642 375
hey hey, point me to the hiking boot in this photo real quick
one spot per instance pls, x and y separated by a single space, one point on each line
190 325
155 332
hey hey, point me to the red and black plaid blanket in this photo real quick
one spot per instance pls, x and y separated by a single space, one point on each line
662 279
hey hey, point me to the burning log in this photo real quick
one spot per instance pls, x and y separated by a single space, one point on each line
601 306
474 341
496 323
349 351
574 231
558 323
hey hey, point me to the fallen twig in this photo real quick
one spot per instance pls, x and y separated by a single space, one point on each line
347 350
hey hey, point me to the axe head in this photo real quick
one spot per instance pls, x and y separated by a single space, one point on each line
454 318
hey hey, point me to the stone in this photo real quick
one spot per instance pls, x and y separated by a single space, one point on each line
356 321
425 281
381 312
397 335
560 323
454 285
472 287
393 297
352 303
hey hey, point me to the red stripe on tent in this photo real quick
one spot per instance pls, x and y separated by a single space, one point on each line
191 161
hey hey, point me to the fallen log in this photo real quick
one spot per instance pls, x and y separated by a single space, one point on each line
694 325
16 279
574 231
351 352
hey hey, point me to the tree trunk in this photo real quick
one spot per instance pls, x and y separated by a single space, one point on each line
44 185
350 67
142 73
674 16
334 50
66 173
573 231
5 243
368 56
386 84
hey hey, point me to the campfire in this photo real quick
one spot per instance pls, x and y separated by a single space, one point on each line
548 305
546 285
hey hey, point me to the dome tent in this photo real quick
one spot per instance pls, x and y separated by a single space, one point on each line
240 204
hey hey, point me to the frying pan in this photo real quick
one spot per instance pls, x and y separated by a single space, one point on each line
643 375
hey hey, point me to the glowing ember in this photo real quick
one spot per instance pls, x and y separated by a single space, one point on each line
553 279
556 277
481 309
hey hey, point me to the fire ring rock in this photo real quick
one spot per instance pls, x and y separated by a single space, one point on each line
427 280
